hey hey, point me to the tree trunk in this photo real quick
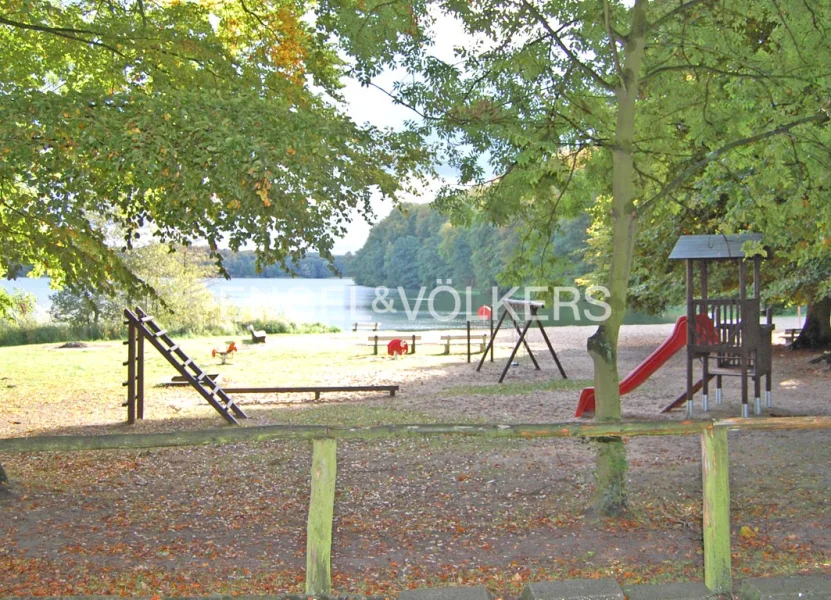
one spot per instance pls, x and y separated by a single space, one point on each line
610 475
3 477
816 333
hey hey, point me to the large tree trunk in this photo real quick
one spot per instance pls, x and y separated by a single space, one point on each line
816 333
610 475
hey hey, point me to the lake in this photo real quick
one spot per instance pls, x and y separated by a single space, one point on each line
340 302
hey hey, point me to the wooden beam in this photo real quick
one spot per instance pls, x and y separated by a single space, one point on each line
310 389
321 517
139 374
264 433
131 374
716 483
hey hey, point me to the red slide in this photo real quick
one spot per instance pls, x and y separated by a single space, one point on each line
643 371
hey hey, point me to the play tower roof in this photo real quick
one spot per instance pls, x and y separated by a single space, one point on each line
713 247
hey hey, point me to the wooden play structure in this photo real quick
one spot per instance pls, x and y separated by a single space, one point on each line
658 358
738 344
142 326
517 311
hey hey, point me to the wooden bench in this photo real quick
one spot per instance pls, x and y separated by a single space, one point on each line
257 336
792 334
388 338
366 325
474 339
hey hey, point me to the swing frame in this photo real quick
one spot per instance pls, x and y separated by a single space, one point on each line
530 311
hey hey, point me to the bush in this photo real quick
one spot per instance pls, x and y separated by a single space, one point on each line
50 333
59 332
283 325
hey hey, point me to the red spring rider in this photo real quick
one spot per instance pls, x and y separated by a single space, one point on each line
397 347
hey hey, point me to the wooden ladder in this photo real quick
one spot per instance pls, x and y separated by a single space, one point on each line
199 379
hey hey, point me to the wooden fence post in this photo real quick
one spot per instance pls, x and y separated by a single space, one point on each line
139 374
321 515
468 341
131 374
716 484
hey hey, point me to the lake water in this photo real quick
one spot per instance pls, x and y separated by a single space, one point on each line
340 302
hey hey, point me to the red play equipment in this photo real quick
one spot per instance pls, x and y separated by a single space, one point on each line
399 347
676 341
224 354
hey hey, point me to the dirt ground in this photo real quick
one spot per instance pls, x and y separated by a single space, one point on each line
412 512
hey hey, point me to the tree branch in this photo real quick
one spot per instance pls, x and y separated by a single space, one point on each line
739 75
675 12
538 16
695 165
65 32
607 17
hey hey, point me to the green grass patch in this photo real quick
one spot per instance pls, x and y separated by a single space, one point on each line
512 389
354 415
52 333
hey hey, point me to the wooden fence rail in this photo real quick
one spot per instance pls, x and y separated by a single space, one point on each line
714 467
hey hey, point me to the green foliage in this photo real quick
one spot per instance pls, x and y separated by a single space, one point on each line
284 325
401 262
81 307
180 121
13 335
52 333
417 246
182 302
17 308
729 122
555 106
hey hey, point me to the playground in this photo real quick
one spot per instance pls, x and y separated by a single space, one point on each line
409 512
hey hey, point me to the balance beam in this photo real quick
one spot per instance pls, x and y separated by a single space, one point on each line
316 389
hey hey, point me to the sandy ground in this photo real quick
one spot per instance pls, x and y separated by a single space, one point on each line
428 379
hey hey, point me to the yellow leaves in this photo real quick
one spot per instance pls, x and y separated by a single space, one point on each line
748 533
262 188
263 194
234 204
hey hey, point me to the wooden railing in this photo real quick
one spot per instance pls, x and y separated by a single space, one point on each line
714 467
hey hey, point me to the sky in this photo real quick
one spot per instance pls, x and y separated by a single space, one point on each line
371 105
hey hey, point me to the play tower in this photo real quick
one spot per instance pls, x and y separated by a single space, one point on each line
734 342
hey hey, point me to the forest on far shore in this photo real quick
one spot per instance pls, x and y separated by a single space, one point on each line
417 246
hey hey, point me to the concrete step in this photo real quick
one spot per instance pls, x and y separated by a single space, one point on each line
478 592
574 589
801 587
668 591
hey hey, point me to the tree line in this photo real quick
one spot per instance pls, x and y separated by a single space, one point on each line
417 245
244 264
